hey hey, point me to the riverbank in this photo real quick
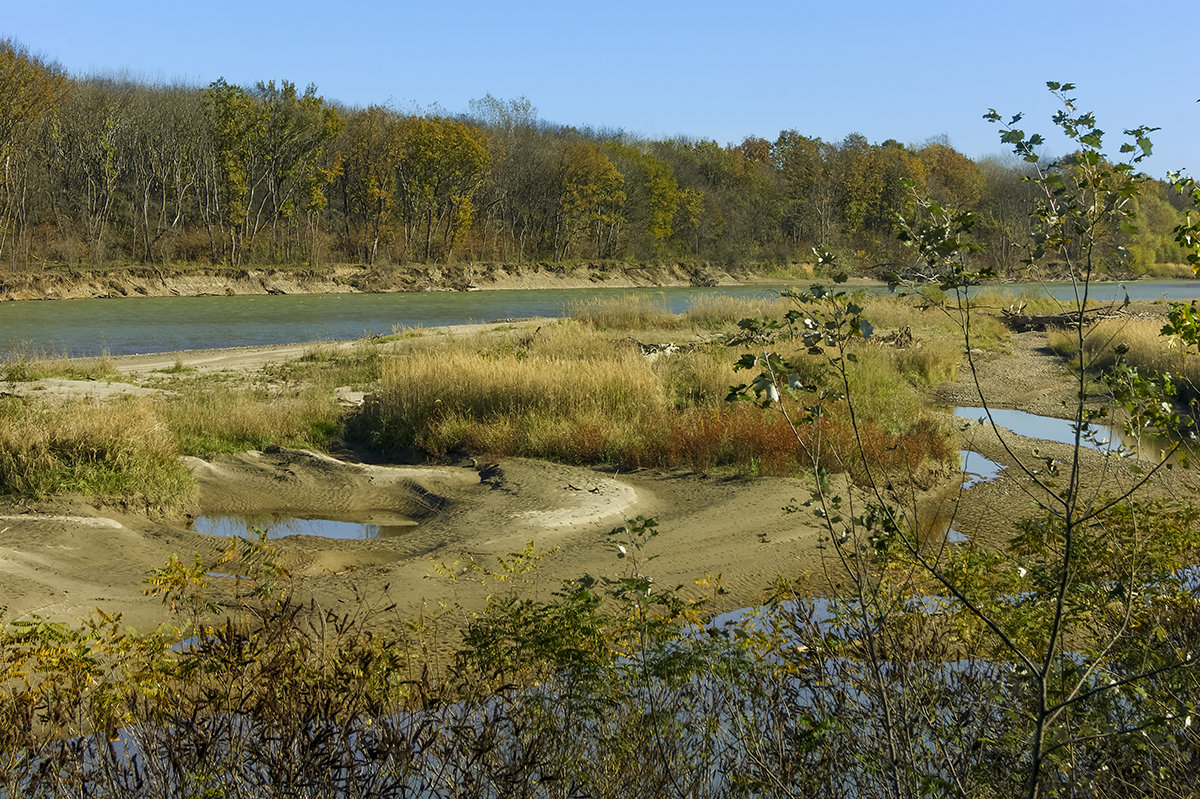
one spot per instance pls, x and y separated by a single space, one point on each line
62 557
205 281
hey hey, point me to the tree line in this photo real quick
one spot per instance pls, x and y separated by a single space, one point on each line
103 171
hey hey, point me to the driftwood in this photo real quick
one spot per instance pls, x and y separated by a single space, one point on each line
1021 322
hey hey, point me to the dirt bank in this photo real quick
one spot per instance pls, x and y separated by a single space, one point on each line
148 281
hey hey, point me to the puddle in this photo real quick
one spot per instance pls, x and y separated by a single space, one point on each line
1097 436
976 468
938 529
280 526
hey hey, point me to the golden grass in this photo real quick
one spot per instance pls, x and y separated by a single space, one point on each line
1148 351
944 321
634 312
1169 271
420 394
119 450
717 313
209 419
929 362
26 363
572 394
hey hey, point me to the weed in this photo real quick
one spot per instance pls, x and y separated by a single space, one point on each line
177 368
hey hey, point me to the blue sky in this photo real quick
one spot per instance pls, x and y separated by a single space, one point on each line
701 69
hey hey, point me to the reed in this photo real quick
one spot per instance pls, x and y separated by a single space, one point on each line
568 396
1136 342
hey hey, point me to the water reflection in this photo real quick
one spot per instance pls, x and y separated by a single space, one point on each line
976 468
280 526
1100 437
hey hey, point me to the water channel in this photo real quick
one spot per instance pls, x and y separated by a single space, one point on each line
166 324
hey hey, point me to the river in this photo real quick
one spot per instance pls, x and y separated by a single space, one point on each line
129 326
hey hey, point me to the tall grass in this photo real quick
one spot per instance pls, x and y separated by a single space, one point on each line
929 362
717 313
210 419
571 395
640 312
1144 347
26 363
433 400
635 312
943 319
120 450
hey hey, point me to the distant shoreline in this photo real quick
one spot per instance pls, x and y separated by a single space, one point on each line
204 281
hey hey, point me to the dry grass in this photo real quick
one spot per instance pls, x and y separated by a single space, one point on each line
718 313
120 450
441 399
640 312
209 419
929 362
636 312
1148 351
27 363
1169 271
572 394
944 321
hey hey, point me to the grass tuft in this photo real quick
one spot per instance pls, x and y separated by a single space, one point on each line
214 419
570 395
121 450
26 363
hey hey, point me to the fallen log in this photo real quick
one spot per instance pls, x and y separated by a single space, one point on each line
1021 322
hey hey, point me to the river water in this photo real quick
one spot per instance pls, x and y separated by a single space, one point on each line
165 324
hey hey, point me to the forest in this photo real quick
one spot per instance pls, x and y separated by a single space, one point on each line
103 172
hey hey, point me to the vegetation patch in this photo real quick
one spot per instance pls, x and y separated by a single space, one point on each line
570 394
121 450
207 420
24 364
